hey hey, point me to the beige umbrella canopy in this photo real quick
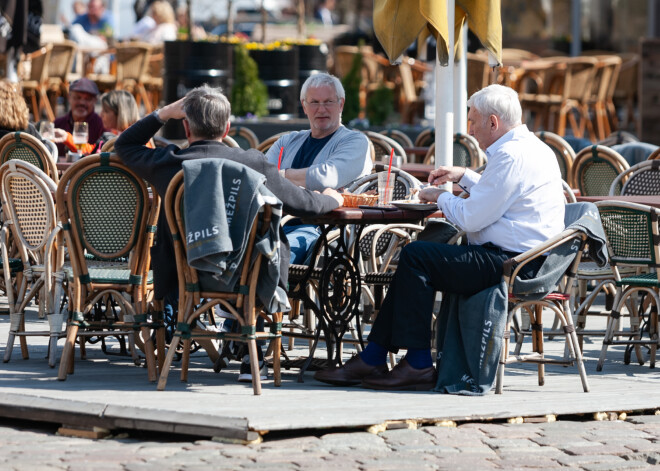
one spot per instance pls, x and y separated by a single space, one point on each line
397 23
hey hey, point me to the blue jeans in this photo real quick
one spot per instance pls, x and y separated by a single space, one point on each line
301 240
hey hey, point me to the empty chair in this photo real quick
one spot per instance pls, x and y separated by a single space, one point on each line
23 146
594 170
267 143
632 239
640 179
109 215
383 146
466 152
244 137
35 87
29 213
59 69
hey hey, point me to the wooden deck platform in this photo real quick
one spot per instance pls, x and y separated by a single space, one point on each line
109 392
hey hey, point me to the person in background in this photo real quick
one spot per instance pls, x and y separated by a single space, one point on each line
96 21
82 99
15 115
323 12
118 112
328 155
205 112
162 26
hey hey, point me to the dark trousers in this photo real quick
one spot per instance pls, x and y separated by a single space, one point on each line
404 319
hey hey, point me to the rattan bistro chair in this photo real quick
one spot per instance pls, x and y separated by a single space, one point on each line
23 146
244 137
196 299
640 179
267 143
29 213
109 216
558 301
595 168
632 239
466 152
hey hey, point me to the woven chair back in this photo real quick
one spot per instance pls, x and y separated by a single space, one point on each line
383 146
403 184
23 146
594 170
562 149
107 207
640 179
132 61
61 60
399 136
27 195
230 142
267 143
425 138
244 137
466 152
631 230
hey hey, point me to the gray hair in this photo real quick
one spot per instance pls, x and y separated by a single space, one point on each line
323 80
207 111
499 100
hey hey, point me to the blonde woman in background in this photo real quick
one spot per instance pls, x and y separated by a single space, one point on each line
158 25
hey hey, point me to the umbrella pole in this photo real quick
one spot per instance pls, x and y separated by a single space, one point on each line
460 87
444 102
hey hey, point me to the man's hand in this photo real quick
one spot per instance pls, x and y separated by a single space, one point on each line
172 111
430 194
335 194
442 175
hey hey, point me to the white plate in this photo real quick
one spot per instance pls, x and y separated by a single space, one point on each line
402 204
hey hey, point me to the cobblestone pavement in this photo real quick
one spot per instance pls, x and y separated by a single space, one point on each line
587 445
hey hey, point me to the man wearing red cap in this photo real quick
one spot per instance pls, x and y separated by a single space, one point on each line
82 98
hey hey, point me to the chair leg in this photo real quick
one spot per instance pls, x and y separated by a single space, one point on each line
573 344
537 340
162 381
149 354
612 321
254 366
185 359
66 361
277 350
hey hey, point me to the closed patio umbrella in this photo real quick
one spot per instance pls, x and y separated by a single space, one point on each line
397 23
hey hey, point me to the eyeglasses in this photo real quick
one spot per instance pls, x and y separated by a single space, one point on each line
317 104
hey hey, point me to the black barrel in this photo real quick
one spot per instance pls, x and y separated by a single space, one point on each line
312 59
189 64
278 69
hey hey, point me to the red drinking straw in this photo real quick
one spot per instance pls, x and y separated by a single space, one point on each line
389 170
279 159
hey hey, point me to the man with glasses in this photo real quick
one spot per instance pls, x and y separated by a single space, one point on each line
328 155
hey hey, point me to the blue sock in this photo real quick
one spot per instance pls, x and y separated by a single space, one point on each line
419 358
373 354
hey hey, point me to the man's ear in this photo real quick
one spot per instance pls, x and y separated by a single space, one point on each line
186 128
226 129
494 122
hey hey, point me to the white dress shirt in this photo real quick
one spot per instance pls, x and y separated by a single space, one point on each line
518 201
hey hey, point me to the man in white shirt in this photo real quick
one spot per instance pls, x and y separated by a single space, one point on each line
514 205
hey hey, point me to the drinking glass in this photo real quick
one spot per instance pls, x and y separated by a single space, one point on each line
385 188
80 135
47 130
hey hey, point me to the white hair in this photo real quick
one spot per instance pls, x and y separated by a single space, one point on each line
499 100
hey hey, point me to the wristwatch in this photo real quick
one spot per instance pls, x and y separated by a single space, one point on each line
160 120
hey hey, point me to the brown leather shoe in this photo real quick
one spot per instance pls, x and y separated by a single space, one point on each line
403 377
350 373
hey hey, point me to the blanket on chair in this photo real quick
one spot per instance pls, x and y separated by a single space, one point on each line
221 200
